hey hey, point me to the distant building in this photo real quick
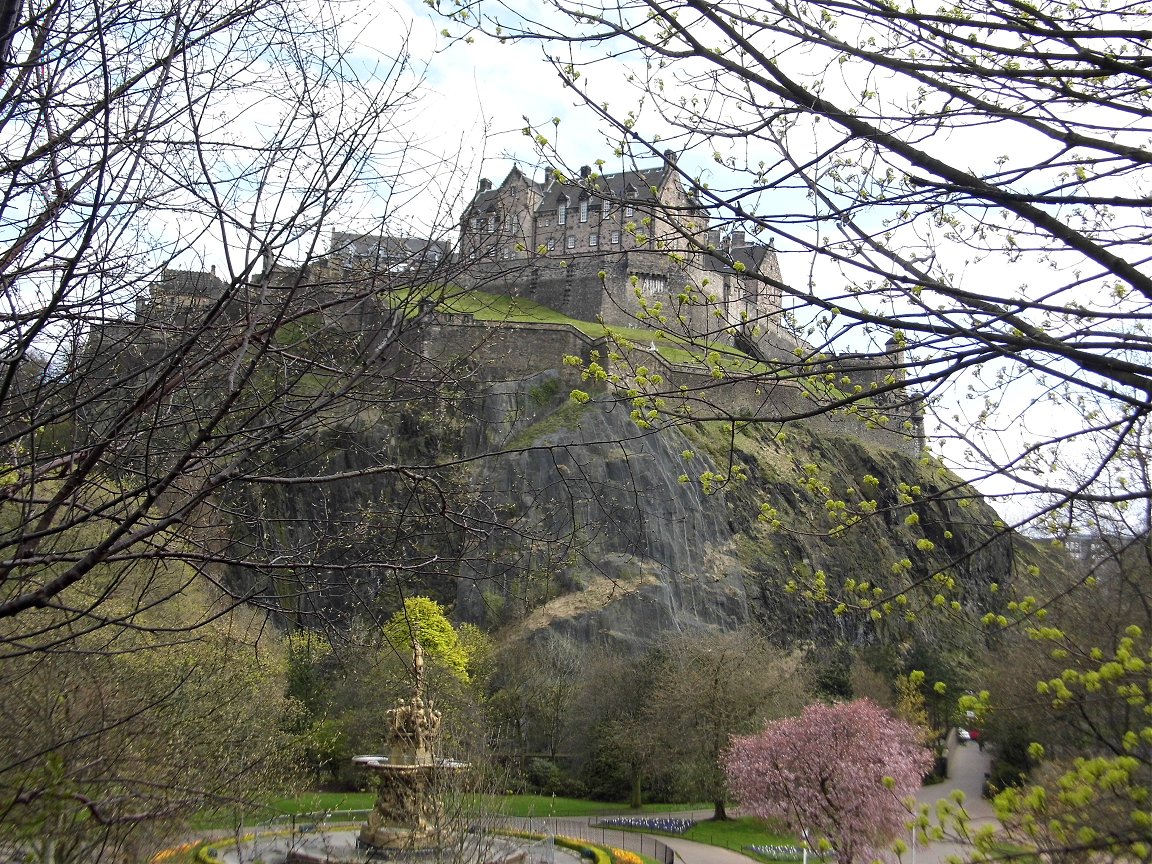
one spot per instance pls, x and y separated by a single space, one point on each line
384 253
353 269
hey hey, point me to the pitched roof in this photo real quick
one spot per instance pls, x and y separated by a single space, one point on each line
637 185
489 198
387 246
189 282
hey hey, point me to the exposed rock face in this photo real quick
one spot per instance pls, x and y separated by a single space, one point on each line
634 551
601 538
581 523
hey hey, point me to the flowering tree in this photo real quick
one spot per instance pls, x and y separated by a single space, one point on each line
836 772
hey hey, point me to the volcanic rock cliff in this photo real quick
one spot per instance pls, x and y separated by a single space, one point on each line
571 518
613 532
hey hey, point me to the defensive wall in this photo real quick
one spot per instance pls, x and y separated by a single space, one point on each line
502 351
601 287
506 351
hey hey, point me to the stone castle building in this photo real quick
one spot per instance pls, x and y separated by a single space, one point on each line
630 249
609 246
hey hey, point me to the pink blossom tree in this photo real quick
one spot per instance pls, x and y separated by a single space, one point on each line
836 772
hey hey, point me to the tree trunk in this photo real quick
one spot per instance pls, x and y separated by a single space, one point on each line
719 814
636 801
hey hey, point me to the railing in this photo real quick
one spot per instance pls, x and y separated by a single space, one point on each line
645 844
305 823
590 830
603 835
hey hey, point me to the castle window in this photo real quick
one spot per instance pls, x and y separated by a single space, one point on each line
629 210
615 237
605 208
653 284
570 241
593 239
492 223
478 223
551 243
562 212
583 209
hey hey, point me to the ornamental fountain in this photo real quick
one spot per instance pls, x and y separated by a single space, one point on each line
407 820
408 815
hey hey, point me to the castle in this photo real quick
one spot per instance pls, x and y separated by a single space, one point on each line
615 247
629 249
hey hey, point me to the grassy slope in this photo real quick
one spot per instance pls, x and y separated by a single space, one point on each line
517 310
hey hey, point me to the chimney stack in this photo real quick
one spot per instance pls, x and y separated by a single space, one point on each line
585 172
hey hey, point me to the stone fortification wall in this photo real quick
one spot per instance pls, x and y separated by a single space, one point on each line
898 427
574 285
500 351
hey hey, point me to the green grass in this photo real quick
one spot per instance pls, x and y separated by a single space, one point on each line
509 805
737 833
543 805
313 802
567 416
498 307
495 307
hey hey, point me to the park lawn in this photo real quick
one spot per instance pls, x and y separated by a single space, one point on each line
507 805
326 802
738 833
546 805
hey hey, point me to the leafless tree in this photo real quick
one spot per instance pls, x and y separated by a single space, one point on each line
186 351
967 181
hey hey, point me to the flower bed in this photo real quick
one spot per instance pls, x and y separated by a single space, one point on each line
596 854
623 856
667 825
789 853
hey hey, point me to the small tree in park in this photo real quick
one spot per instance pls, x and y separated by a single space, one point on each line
836 772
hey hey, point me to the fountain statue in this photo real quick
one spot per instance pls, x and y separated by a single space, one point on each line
408 813
407 821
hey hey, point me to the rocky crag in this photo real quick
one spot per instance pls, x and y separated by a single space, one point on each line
534 512
707 525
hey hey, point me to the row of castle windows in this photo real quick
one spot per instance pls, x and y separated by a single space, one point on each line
488 223
593 241
585 209
570 243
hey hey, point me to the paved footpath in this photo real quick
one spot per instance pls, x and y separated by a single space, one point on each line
967 767
687 851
